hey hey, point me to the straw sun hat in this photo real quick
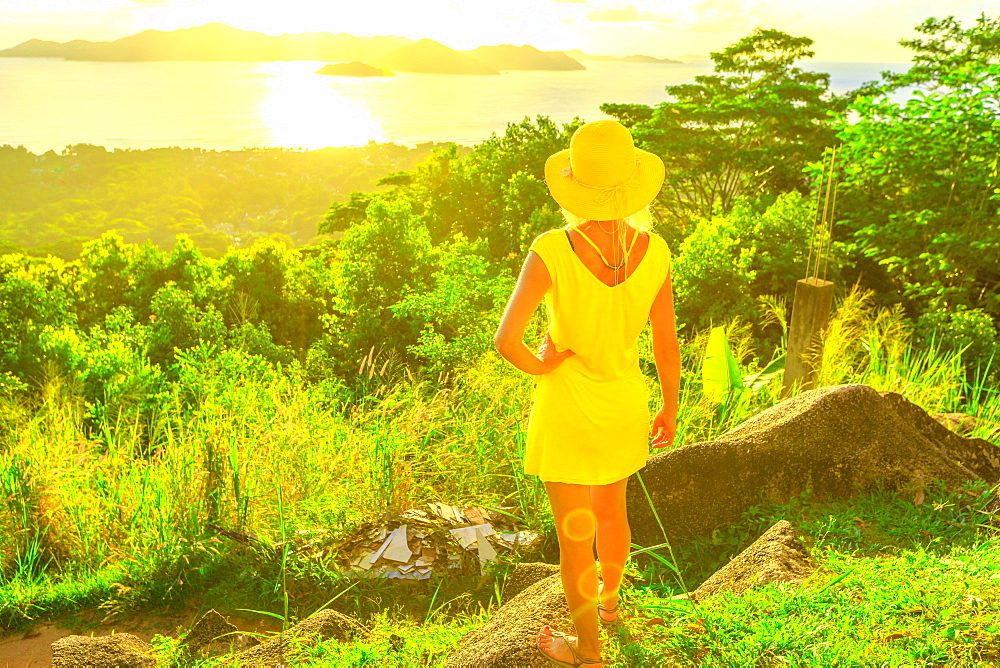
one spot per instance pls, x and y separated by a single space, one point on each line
602 175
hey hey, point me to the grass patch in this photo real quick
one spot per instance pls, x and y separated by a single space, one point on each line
118 519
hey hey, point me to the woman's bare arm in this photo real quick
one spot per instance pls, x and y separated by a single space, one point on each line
532 284
667 355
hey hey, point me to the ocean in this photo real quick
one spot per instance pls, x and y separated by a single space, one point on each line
48 104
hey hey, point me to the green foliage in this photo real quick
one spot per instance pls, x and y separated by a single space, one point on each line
935 602
53 203
341 215
178 324
380 262
459 313
105 280
969 331
919 196
719 371
746 130
491 192
33 296
110 365
947 47
729 261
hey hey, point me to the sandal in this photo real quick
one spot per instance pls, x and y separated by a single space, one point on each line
601 611
606 611
579 660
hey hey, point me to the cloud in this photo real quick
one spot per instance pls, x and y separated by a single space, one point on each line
721 16
152 3
628 14
620 14
571 2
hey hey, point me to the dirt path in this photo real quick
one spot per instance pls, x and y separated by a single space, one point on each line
33 649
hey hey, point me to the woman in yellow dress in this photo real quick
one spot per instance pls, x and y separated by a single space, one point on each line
602 277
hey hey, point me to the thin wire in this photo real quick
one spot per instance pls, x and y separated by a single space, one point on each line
833 212
826 205
812 233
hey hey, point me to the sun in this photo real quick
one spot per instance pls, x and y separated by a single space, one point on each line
303 110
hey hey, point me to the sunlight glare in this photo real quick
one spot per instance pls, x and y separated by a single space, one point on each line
303 110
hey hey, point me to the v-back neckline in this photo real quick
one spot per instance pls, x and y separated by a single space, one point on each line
586 269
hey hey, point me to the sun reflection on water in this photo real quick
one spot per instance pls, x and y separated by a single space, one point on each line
302 110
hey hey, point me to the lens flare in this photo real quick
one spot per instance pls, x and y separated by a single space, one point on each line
579 524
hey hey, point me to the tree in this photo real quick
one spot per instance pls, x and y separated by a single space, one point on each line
490 193
381 261
104 279
920 192
747 129
457 317
177 323
34 295
947 47
342 215
730 260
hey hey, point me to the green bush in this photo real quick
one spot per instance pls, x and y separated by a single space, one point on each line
971 330
459 315
729 261
178 324
380 262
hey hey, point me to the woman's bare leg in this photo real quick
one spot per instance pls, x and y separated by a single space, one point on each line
575 525
613 538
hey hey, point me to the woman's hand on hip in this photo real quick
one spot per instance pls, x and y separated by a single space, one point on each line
548 355
664 428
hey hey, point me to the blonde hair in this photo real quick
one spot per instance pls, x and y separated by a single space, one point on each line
641 220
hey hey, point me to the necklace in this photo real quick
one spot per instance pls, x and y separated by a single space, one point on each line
607 264
607 231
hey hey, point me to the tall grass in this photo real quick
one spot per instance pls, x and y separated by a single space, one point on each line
264 454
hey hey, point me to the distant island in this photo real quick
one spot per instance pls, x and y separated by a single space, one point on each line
214 42
348 54
430 57
580 55
353 69
510 57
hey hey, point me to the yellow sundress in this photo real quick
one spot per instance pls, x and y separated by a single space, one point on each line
589 421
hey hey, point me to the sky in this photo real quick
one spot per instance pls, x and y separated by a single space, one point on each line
845 30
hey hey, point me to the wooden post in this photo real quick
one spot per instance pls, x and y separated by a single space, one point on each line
810 314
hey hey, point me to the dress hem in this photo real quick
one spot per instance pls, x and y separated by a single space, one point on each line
602 482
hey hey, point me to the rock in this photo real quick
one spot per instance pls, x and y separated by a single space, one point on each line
329 624
524 575
837 441
268 653
212 625
508 639
777 556
960 423
121 650
323 625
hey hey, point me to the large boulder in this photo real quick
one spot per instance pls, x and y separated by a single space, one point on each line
777 556
121 650
524 575
836 441
508 639
324 625
960 423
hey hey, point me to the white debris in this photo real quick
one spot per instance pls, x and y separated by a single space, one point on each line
396 547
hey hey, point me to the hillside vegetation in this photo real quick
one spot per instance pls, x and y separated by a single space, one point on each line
54 203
